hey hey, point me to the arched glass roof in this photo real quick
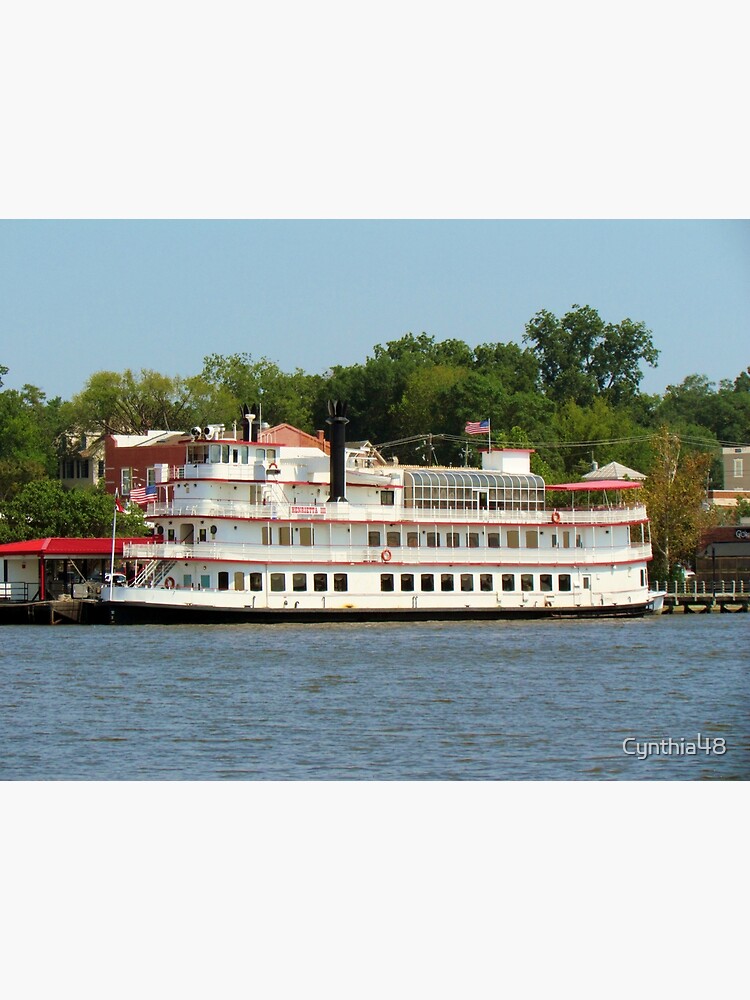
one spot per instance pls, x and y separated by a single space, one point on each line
470 479
464 489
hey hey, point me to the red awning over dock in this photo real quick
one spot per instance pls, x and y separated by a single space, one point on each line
66 548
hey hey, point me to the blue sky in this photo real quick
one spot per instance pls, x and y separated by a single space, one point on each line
81 296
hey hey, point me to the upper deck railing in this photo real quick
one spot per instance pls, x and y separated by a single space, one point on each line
389 515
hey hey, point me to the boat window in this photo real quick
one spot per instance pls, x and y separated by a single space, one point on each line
554 542
587 582
260 454
205 581
513 537
446 581
170 534
433 539
243 454
427 581
545 581
214 453
271 454
579 542
266 534
223 580
527 581
299 581
485 581
467 582
412 539
473 539
187 580
340 582
285 534
509 582
563 582
386 582
320 582
393 538
256 581
305 534
202 535
643 577
373 538
239 581
386 498
453 540
493 539
407 581
532 539
278 583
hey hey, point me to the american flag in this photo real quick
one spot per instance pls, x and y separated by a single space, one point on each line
141 494
474 427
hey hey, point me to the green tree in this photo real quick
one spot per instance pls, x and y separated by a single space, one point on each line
127 403
30 436
675 497
43 509
580 355
599 432
284 397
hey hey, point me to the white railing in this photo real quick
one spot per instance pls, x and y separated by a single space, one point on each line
400 555
388 515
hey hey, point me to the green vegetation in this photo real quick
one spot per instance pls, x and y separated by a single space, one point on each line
43 509
571 391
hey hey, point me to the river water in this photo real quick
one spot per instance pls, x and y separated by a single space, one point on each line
455 701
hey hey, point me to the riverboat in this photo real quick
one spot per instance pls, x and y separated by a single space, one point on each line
248 530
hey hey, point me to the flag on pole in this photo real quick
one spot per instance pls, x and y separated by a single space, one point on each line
477 427
118 505
138 494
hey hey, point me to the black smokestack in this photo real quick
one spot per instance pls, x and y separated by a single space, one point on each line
338 420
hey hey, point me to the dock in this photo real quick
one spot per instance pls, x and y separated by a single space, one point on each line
699 598
64 611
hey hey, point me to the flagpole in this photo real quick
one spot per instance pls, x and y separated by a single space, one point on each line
112 558
489 434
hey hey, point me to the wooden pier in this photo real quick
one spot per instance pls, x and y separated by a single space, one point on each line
700 599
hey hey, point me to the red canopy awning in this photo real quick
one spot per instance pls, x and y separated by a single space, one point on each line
596 484
66 548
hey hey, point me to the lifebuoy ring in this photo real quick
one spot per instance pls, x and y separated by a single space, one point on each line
169 582
385 555
273 468
555 517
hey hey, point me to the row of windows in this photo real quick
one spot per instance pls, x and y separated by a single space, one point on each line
236 454
389 582
80 468
303 534
447 582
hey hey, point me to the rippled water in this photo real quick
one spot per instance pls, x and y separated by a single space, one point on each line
478 701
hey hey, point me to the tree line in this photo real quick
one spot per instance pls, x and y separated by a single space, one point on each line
571 390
